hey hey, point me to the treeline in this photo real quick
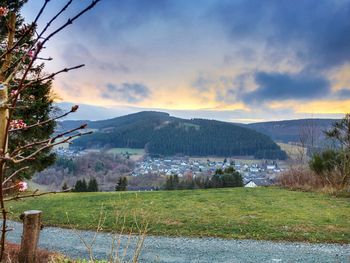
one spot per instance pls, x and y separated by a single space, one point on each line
82 186
213 138
221 179
105 168
161 134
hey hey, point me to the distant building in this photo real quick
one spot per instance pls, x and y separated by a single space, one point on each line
250 184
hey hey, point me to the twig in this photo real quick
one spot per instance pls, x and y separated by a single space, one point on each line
50 140
34 194
49 145
14 174
73 109
51 76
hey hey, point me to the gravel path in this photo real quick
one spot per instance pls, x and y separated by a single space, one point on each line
168 249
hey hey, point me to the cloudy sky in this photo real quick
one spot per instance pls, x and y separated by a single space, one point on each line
233 60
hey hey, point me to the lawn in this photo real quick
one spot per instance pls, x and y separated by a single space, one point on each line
134 153
260 213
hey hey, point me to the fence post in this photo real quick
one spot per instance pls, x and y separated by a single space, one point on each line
30 237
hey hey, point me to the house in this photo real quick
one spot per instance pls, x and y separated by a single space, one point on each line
270 167
250 184
254 169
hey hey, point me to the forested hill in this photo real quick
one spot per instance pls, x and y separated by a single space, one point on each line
160 133
291 130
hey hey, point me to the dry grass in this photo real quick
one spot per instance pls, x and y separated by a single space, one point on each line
301 178
43 256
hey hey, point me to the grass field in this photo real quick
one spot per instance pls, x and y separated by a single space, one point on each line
293 151
260 213
134 153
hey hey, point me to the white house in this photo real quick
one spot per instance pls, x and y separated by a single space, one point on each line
250 184
271 167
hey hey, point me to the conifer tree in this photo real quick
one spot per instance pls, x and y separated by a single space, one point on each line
37 103
92 185
121 184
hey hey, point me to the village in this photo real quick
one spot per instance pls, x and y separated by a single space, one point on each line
254 172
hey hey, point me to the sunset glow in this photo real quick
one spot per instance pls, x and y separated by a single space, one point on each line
237 59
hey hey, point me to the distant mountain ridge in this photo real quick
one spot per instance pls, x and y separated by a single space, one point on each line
291 130
162 134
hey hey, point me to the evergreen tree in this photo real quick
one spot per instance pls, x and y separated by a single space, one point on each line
121 184
93 185
78 186
175 181
84 186
169 184
38 101
65 186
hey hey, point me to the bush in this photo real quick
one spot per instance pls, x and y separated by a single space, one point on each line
300 178
332 166
222 178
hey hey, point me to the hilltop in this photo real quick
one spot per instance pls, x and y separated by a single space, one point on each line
162 134
291 130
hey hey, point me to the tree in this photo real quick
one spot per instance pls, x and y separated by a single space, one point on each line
227 178
121 184
334 165
340 132
65 186
169 183
92 185
80 186
21 79
38 107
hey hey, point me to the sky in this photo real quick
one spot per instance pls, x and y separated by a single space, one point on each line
232 60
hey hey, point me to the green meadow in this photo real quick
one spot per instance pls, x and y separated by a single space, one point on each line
259 213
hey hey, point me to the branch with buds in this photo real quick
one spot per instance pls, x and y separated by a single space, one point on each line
20 73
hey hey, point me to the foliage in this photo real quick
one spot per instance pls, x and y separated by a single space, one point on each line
83 186
92 185
258 213
161 134
37 104
80 186
325 162
221 179
104 167
340 132
26 122
300 178
65 186
333 165
122 184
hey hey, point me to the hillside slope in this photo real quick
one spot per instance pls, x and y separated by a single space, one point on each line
291 130
161 134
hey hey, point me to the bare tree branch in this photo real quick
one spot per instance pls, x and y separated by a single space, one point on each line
14 174
71 20
50 140
73 109
49 145
34 194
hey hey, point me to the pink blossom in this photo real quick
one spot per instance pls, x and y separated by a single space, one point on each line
17 124
14 92
22 186
3 11
31 54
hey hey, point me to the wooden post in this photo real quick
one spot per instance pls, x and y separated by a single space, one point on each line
30 237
